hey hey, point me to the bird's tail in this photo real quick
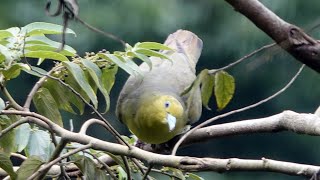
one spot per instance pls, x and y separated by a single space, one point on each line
186 42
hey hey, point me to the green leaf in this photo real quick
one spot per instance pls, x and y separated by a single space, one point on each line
43 47
13 30
89 169
44 28
43 40
96 75
5 34
47 106
7 141
207 84
80 78
61 95
108 77
39 144
223 89
7 165
149 52
122 175
143 58
28 167
193 176
46 55
2 104
152 45
133 66
22 136
117 159
12 72
35 71
73 98
120 61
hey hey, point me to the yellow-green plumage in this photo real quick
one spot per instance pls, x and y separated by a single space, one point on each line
152 107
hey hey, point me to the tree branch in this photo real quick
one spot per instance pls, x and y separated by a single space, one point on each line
290 37
285 121
303 124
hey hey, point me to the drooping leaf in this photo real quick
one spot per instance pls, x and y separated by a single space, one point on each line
149 52
96 75
46 55
75 99
12 72
22 136
35 71
7 165
207 84
133 66
118 60
43 40
223 89
39 144
144 58
28 167
42 47
108 77
4 34
44 28
47 106
117 159
152 45
61 95
7 141
80 78
89 169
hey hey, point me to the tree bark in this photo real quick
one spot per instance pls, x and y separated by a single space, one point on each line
288 36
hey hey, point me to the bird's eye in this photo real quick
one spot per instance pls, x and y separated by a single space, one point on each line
166 104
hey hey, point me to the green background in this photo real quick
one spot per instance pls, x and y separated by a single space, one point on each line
227 36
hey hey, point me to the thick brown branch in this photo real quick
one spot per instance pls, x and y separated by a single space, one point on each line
290 37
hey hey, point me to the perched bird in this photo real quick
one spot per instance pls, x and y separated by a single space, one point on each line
152 107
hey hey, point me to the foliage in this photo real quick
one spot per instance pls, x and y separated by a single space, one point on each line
71 84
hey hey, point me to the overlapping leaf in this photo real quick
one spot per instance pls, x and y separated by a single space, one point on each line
96 75
82 81
7 165
28 167
45 28
47 106
39 144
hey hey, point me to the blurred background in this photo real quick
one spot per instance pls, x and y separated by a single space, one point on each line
227 36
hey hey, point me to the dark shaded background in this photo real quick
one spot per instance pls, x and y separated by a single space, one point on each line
227 36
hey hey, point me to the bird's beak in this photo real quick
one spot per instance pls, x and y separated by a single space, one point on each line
171 122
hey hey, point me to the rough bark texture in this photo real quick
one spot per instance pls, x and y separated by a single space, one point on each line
290 37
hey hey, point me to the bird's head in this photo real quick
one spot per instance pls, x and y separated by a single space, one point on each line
159 118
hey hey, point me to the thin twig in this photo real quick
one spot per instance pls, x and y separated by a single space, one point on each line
111 129
145 176
47 166
33 91
176 146
126 165
242 59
